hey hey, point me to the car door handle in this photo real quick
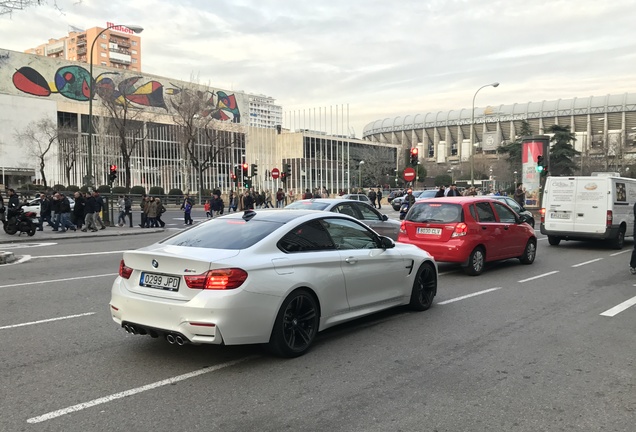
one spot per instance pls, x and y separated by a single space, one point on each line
351 260
484 227
506 227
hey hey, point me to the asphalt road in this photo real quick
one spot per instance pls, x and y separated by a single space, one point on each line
519 348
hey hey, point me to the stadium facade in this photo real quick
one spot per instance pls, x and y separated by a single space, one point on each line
604 126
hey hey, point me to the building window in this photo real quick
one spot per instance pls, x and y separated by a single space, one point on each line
103 54
103 36
133 51
134 60
103 63
103 45
134 43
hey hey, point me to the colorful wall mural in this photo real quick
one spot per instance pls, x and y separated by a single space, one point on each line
44 77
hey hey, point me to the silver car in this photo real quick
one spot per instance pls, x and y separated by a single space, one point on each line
366 214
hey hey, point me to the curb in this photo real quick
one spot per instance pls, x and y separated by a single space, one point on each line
54 236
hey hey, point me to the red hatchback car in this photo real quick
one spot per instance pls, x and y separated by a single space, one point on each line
470 231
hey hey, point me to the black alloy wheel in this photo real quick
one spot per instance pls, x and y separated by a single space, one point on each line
296 325
424 288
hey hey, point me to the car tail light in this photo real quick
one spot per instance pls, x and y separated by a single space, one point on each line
124 270
542 213
461 229
217 279
403 228
609 219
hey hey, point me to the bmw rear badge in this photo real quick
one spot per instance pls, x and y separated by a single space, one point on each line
155 264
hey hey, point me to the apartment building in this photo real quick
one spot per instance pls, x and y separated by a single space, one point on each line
264 113
118 47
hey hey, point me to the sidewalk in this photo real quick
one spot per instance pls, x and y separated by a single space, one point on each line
48 234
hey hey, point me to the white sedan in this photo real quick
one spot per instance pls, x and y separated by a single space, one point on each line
34 205
267 277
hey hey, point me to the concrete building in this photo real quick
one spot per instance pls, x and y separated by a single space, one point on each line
118 48
35 87
604 126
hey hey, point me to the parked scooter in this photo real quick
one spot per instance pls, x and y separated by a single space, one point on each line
21 222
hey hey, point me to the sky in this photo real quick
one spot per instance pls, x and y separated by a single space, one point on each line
382 59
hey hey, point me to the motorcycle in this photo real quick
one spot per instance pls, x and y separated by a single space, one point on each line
404 209
21 222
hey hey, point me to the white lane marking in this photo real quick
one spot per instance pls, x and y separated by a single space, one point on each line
47 320
539 276
134 391
23 258
24 245
468 296
621 252
57 280
620 308
81 254
587 262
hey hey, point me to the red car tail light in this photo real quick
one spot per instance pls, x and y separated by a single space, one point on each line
217 279
124 270
609 219
461 229
542 213
403 228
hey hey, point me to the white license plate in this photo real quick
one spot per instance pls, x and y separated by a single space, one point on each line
559 215
164 282
435 231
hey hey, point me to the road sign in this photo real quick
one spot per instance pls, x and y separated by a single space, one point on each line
409 174
275 173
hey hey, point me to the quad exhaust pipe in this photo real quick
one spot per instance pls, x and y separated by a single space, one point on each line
131 329
172 338
176 339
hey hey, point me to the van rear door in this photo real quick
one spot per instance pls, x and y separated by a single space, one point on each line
592 198
560 203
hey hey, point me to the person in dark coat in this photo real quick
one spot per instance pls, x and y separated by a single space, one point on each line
57 214
89 213
45 212
79 211
441 192
248 201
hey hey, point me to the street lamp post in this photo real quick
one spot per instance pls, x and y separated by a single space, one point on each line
89 170
360 173
472 132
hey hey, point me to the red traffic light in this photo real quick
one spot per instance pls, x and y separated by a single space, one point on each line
414 151
113 168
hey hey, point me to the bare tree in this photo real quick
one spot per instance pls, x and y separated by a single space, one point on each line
68 144
7 7
203 140
126 122
38 139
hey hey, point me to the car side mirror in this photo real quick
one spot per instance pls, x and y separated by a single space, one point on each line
386 242
385 217
523 218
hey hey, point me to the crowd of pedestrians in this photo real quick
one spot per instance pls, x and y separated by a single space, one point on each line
55 210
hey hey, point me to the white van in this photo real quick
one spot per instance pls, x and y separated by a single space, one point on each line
588 207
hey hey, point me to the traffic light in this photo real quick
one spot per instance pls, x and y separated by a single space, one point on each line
414 156
112 176
254 169
245 174
286 173
542 168
234 178
247 183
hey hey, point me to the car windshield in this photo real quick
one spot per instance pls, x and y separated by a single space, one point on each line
426 194
224 233
435 212
308 205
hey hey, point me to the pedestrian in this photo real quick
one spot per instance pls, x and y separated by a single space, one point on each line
269 203
79 211
128 209
142 205
280 198
233 202
379 198
260 200
121 206
99 206
89 213
632 261
217 205
520 195
13 204
372 196
206 207
290 194
65 214
161 209
45 212
3 209
248 201
453 192
307 194
441 192
186 206
151 213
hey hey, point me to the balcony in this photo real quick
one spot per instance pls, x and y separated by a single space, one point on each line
81 50
121 61
120 42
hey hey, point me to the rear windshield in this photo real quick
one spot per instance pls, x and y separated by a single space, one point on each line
427 194
224 234
308 205
435 212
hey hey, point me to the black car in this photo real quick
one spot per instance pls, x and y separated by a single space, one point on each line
521 211
394 194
